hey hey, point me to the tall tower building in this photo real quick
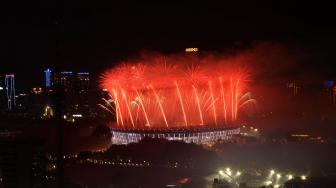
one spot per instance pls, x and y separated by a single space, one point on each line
2 83
329 88
75 86
2 93
47 78
82 91
10 90
83 80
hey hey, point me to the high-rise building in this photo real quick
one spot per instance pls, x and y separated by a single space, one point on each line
21 102
47 78
83 79
10 90
3 97
82 91
65 79
76 92
330 91
82 87
2 83
82 82
294 88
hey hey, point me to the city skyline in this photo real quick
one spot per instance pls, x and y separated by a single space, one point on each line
196 94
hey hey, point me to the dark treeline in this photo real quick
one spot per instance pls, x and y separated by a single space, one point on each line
158 152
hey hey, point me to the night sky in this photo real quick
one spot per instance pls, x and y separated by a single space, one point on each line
92 37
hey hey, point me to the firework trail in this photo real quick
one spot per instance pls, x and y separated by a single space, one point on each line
170 92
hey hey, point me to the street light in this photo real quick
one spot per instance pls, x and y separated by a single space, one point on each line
303 177
220 173
267 183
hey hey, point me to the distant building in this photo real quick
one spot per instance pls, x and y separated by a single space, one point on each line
329 88
22 102
22 164
75 88
82 93
82 82
65 80
48 112
294 88
334 95
3 97
10 90
48 78
2 83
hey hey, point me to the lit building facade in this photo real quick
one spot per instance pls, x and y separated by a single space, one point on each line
2 93
2 83
190 135
82 94
48 78
83 80
10 91
75 87
65 80
329 87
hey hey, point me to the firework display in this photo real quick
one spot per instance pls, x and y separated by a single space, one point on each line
157 92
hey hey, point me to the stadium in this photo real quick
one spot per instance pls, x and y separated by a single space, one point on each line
191 135
173 98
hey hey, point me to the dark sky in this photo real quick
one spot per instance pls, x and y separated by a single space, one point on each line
91 36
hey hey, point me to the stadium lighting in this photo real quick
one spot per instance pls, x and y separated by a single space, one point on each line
303 177
278 176
272 172
77 115
238 173
290 176
228 171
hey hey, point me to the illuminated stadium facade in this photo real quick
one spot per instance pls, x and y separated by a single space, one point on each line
190 135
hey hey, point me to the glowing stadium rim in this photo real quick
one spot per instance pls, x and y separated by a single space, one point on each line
197 135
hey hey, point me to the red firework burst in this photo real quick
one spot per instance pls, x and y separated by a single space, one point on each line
176 91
